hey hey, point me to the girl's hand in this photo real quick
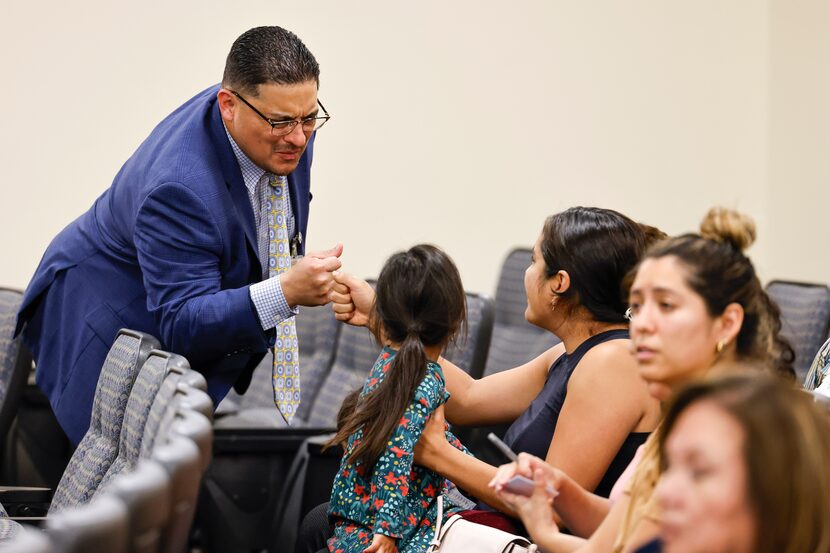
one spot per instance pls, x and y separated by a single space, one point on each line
432 440
382 544
535 511
351 298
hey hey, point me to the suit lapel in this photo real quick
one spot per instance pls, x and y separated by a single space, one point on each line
233 178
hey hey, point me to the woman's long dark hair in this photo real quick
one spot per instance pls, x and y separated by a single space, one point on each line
597 247
419 302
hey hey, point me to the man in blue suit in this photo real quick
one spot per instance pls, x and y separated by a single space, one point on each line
178 246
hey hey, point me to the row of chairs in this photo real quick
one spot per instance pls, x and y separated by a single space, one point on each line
805 315
133 481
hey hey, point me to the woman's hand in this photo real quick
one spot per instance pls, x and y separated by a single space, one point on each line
382 544
535 511
432 440
351 298
526 466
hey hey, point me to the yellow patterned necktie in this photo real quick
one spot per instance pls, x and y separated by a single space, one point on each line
286 368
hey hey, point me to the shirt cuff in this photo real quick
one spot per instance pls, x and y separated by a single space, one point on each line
270 303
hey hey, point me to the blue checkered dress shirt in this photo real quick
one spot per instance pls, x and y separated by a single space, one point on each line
267 295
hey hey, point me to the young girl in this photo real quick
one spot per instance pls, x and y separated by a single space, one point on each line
380 502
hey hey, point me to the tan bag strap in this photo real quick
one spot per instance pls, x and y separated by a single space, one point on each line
436 539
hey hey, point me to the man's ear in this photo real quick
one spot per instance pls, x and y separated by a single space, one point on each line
227 105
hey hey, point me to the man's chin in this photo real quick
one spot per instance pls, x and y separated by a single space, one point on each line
282 169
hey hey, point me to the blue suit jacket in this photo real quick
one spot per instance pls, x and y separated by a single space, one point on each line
169 249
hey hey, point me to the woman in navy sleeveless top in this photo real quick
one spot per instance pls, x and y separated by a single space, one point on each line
581 405
533 430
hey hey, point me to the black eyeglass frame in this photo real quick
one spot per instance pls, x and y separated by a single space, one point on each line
287 127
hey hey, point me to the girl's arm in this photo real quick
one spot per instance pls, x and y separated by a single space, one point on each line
498 398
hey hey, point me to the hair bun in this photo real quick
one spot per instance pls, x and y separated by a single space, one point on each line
727 226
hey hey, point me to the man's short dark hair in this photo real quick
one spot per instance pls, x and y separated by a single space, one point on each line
268 55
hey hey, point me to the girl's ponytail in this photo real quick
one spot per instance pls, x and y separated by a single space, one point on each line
420 302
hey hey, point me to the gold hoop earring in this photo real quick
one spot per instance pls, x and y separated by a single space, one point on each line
719 347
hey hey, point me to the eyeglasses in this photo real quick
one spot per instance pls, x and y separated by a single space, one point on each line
281 128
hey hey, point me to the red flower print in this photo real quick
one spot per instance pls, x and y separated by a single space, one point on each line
398 451
391 478
430 490
412 520
379 503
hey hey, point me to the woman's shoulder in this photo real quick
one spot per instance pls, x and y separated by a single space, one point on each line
608 365
615 352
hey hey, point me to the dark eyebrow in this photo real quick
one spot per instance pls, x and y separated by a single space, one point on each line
655 290
283 117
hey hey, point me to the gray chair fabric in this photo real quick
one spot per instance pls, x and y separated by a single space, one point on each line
15 361
99 446
514 341
25 540
9 529
317 331
189 422
470 354
142 396
97 526
178 374
805 314
817 377
356 352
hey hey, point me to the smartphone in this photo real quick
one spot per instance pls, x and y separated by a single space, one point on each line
518 485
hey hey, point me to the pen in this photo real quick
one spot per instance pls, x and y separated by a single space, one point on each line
503 447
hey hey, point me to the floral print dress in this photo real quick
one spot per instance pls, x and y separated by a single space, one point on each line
397 499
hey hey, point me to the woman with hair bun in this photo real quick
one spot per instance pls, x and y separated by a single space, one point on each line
697 308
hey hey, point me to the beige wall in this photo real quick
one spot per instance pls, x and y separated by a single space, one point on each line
460 123
799 170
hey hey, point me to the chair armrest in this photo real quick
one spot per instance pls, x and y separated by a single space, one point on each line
37 522
21 501
267 440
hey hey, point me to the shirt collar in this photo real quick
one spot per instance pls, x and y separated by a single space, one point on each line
251 174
